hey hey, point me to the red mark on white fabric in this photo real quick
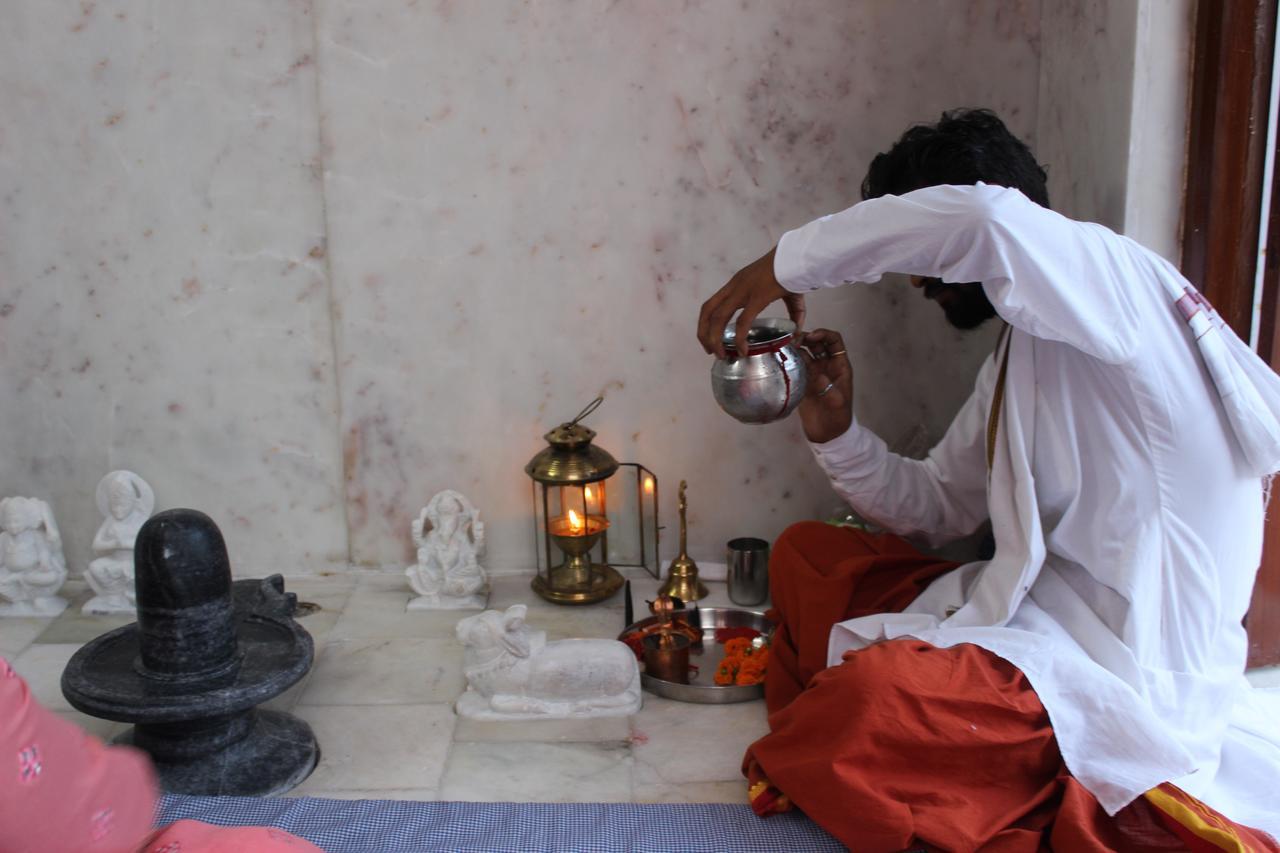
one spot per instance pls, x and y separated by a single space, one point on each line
1188 305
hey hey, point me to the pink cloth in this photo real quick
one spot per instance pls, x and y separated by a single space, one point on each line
61 789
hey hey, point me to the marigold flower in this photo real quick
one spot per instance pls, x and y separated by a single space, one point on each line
726 672
751 671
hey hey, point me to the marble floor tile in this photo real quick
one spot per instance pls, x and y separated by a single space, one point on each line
678 742
41 665
379 578
422 795
590 730
386 672
16 634
538 773
693 792
328 593
377 610
380 694
314 584
1265 677
378 747
319 624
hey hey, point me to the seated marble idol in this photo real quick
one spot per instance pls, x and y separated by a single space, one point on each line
450 540
32 568
1082 688
63 791
126 502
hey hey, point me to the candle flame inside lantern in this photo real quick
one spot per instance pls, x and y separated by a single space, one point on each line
575 523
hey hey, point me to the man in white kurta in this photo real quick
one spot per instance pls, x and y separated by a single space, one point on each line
1127 516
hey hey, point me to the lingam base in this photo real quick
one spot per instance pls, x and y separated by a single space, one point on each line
202 727
578 583
257 753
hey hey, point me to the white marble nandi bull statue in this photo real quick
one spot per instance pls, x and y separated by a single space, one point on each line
513 673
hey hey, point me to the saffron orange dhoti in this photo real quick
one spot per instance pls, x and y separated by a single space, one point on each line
905 744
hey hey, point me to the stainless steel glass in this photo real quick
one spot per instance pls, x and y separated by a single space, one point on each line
769 382
748 561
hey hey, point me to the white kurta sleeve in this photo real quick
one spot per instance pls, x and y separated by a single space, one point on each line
1046 275
938 499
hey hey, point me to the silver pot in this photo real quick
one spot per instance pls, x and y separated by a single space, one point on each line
769 382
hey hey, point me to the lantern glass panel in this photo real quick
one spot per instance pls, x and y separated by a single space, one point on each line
541 505
633 513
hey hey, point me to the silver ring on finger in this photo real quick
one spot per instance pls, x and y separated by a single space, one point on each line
826 390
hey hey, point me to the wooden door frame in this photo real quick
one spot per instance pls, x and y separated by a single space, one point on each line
1230 96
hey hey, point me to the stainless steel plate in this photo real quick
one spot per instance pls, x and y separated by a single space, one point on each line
702 687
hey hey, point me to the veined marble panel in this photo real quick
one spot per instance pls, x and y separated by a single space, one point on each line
1086 96
528 202
164 300
1114 97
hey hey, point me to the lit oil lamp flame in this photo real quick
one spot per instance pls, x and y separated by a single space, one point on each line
575 524
648 485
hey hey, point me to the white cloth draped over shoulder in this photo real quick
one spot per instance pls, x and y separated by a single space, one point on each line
1125 496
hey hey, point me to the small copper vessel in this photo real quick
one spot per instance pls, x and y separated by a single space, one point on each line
666 653
666 656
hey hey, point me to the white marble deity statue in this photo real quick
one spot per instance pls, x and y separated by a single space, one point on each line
513 673
125 501
450 540
32 568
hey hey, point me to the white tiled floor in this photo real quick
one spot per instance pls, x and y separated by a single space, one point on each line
380 699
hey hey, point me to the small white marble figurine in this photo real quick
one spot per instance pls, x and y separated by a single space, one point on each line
32 568
126 502
513 673
450 540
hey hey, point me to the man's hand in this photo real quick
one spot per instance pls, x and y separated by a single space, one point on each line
752 289
827 409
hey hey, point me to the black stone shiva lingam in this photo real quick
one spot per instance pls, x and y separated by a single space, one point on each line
189 673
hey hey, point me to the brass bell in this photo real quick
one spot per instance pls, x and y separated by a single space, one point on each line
682 577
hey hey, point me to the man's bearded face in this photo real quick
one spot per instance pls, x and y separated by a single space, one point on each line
966 305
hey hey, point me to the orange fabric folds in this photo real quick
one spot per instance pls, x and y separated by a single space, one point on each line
906 745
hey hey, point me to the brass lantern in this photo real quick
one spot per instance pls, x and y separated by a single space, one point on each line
592 515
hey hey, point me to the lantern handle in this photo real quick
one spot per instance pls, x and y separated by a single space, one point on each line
591 407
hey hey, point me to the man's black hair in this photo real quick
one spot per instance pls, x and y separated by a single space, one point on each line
964 147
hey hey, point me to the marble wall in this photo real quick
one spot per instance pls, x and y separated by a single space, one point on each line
528 203
303 264
164 292
1112 117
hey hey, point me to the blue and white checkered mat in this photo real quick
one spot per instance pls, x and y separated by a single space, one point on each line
371 826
